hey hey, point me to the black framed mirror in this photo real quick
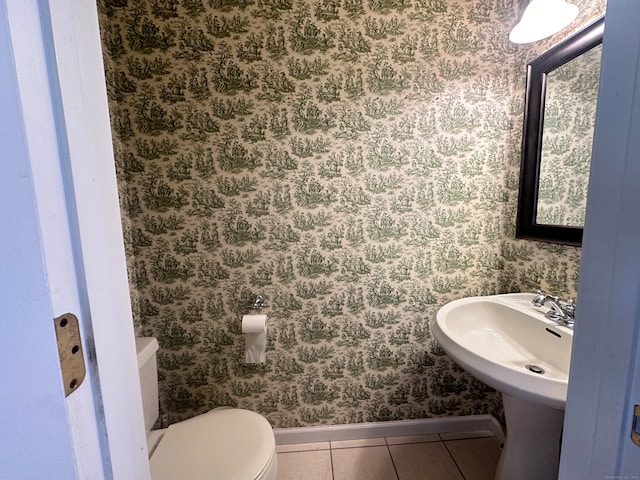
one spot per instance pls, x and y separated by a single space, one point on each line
536 221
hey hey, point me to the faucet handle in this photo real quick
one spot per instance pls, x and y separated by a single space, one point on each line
545 295
539 299
570 307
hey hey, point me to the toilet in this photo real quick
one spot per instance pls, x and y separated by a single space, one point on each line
222 444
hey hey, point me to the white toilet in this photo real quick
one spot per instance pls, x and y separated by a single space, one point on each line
223 444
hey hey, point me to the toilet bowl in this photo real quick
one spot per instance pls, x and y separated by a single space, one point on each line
225 444
222 444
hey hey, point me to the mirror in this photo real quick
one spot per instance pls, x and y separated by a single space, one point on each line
560 105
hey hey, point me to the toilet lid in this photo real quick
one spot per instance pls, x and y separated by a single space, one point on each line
227 444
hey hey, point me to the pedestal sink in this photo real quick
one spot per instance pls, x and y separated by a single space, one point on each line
510 345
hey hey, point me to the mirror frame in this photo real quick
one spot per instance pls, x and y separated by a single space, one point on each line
537 71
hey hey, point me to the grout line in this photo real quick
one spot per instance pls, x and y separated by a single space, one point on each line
308 449
392 460
333 475
466 436
358 446
454 459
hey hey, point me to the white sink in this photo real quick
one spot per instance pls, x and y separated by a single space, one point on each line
496 337
500 339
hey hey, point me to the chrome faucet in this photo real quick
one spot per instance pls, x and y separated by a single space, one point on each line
559 311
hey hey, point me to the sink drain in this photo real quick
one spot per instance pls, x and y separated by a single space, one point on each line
535 369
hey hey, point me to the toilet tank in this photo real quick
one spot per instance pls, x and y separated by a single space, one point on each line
148 370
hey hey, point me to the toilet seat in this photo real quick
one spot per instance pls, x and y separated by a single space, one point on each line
224 444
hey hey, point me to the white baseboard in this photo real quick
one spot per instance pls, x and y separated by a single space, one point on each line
397 428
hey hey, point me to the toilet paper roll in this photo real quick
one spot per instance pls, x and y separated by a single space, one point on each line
254 323
254 328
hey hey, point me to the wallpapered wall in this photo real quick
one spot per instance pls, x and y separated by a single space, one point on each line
355 162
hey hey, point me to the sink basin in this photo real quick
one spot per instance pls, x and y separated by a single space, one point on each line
495 338
510 345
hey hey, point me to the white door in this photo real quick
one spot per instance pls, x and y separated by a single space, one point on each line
33 412
605 375
62 251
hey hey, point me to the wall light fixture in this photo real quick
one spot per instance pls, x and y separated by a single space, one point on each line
543 18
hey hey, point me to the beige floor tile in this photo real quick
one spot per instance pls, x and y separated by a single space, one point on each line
413 439
370 463
310 465
424 461
363 442
477 458
303 447
463 435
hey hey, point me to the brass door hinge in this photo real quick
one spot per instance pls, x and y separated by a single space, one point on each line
70 352
635 426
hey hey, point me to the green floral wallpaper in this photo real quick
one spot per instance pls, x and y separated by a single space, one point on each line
570 115
354 161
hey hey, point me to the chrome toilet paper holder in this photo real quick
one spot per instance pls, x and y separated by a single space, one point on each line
259 302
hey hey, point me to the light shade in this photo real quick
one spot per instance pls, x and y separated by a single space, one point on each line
543 18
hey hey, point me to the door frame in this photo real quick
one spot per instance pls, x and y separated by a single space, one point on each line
84 110
63 115
603 384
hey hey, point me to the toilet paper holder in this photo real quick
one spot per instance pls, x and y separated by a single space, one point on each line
258 304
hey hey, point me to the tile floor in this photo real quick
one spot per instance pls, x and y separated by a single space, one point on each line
467 456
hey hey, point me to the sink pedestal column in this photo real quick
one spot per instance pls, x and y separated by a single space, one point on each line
532 448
